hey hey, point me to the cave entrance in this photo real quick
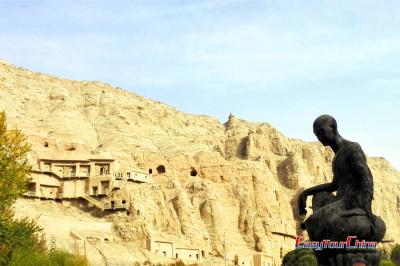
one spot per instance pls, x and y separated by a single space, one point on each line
193 172
161 169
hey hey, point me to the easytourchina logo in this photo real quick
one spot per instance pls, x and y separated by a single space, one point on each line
351 242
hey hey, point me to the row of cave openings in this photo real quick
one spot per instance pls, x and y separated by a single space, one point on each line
161 170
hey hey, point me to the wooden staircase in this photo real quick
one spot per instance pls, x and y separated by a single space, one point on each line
121 184
94 201
98 203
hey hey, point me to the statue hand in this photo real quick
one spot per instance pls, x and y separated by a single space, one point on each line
302 201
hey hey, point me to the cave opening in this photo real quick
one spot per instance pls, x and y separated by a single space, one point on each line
193 172
161 169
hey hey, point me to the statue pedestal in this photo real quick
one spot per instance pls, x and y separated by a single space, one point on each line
344 257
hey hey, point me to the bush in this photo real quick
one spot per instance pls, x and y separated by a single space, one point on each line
307 260
21 234
178 263
26 257
384 254
386 263
395 255
296 257
62 258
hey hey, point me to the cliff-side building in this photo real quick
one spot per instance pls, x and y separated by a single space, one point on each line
82 181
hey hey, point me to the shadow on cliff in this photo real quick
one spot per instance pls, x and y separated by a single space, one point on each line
295 212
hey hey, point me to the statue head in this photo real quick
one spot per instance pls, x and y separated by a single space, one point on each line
325 128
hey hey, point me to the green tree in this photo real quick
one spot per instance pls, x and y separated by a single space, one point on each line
14 177
21 240
14 167
395 255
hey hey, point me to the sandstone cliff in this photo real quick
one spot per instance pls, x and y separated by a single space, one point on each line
236 180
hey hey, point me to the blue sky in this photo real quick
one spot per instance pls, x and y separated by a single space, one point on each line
282 62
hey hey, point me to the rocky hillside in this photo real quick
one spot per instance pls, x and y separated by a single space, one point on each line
236 180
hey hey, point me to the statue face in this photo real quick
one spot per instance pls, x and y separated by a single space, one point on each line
325 133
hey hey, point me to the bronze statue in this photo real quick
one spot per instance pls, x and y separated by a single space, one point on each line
349 212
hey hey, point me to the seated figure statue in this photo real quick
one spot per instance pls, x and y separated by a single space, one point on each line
349 212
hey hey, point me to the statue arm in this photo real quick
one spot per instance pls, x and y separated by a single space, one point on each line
363 173
328 187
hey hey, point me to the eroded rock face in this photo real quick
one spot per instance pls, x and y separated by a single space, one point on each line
235 181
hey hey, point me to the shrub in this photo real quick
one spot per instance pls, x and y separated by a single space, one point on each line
384 254
27 257
177 263
296 257
307 260
395 255
62 258
20 234
386 263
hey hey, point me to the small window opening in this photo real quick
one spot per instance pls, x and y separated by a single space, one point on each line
161 169
70 148
193 172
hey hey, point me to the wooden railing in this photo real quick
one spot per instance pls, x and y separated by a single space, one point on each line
109 206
